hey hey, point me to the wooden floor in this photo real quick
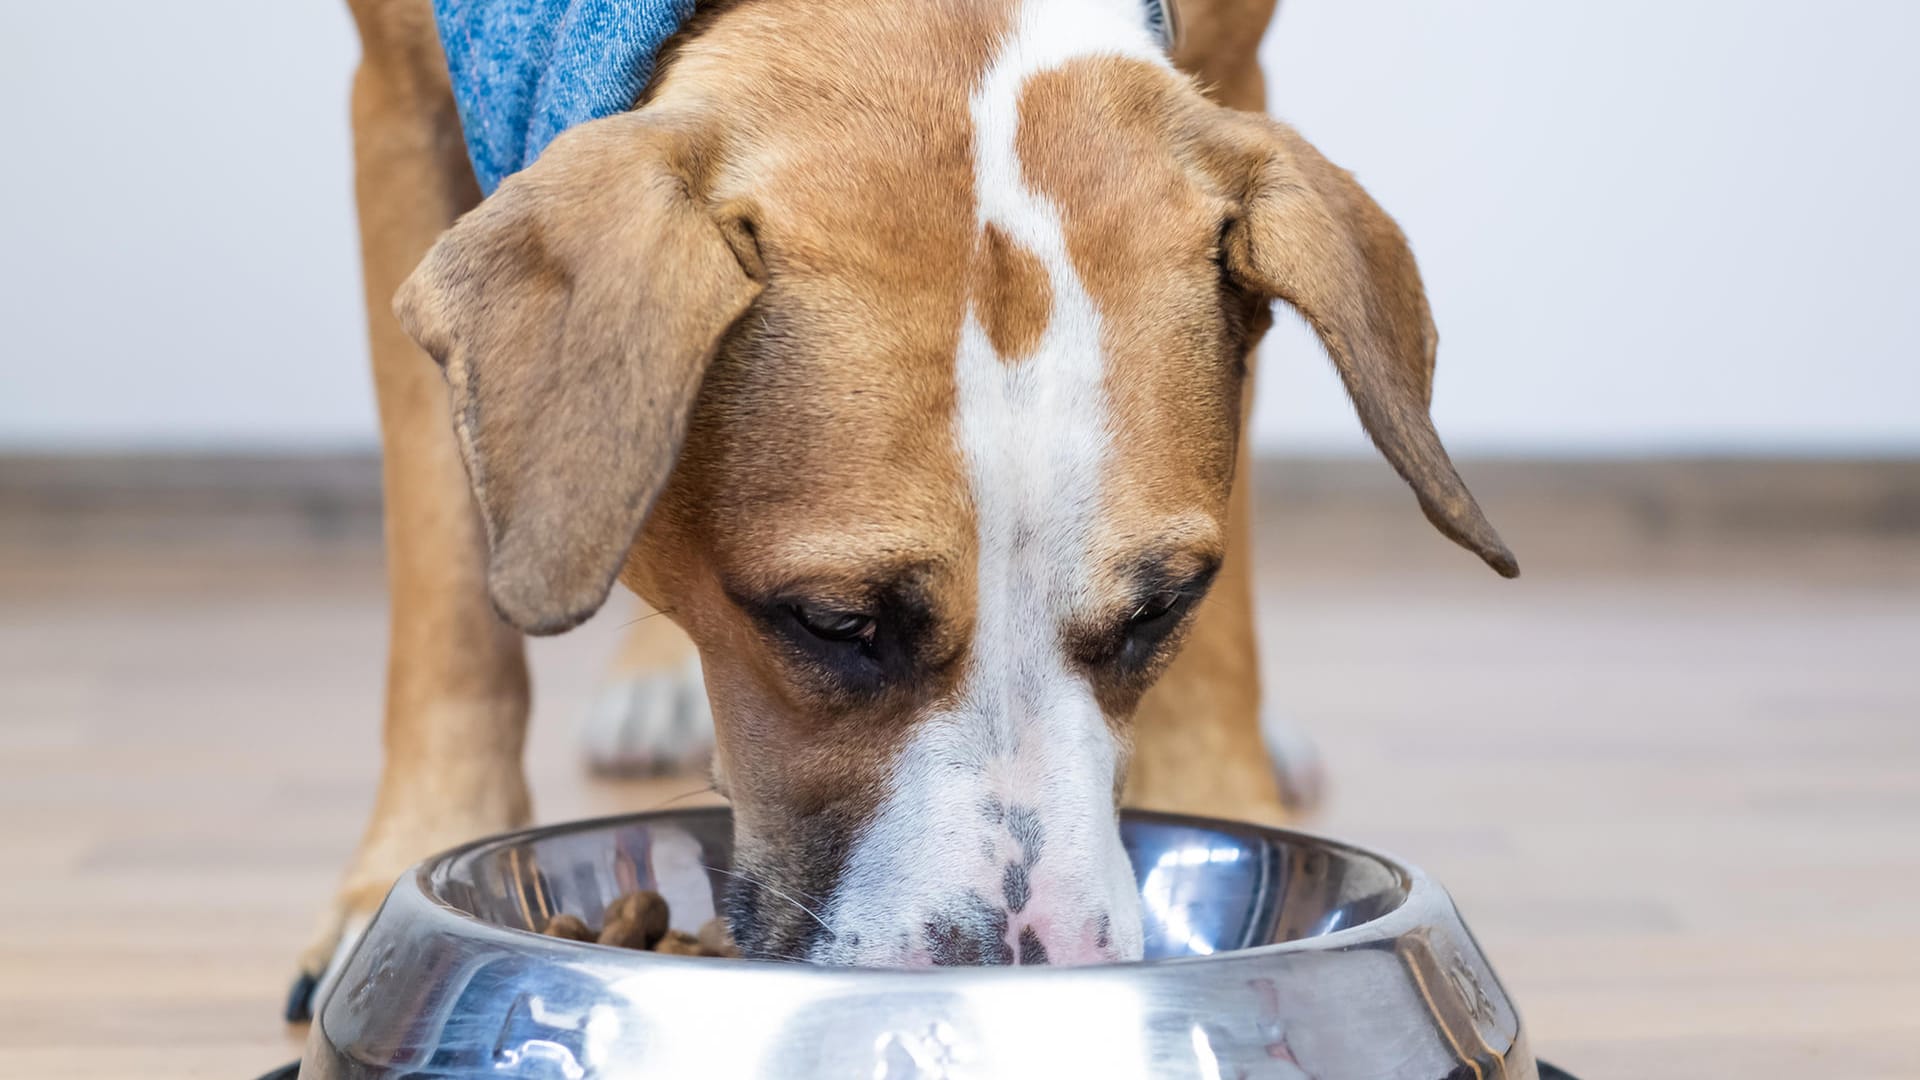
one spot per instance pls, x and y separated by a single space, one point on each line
1672 775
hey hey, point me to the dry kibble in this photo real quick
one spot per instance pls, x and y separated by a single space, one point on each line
635 921
679 943
625 934
567 926
717 940
638 920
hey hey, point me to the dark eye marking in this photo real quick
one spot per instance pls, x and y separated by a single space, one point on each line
853 627
1159 609
857 637
858 650
1156 618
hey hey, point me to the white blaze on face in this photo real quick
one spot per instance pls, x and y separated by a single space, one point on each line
1005 800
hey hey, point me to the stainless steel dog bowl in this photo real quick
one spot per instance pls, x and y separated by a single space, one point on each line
1269 954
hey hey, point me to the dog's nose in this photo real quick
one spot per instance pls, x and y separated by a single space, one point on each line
1065 942
978 932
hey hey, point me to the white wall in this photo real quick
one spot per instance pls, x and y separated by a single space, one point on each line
1646 225
178 259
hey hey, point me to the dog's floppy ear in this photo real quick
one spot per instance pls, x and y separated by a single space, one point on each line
575 312
1308 234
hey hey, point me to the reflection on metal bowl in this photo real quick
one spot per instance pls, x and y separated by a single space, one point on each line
1269 954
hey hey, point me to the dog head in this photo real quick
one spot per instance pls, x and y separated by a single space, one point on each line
905 369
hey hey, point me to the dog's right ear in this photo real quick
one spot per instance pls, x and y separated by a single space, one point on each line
575 312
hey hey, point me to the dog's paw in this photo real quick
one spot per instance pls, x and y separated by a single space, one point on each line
1296 761
340 929
414 816
650 723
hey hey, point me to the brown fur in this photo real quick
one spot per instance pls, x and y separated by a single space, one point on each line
817 415
805 450
1011 295
575 313
456 696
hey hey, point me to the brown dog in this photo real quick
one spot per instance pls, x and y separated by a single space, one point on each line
898 352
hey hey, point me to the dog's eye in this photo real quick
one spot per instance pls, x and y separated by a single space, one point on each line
1156 608
835 625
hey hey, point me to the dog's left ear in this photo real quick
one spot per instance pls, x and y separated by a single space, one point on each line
1307 233
575 312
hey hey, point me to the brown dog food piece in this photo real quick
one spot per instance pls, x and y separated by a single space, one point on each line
679 943
717 940
571 927
635 921
624 934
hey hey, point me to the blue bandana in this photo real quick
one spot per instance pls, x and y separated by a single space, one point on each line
526 70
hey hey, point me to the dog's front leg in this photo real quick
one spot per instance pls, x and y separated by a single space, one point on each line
1204 741
456 706
651 716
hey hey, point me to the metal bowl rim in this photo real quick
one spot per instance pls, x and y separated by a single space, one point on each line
1419 893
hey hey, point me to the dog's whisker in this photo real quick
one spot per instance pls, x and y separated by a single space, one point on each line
744 876
777 891
643 618
705 789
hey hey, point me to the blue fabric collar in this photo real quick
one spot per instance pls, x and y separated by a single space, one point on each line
524 71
